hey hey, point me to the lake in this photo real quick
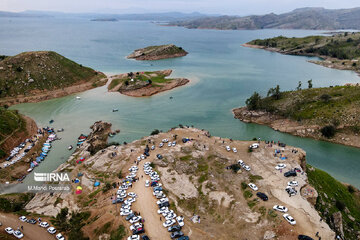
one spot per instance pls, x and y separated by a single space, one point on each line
223 73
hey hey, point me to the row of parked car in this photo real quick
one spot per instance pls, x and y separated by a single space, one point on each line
18 234
173 223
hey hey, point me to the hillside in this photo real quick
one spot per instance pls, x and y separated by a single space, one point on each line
158 52
35 73
331 114
141 84
200 178
14 128
303 18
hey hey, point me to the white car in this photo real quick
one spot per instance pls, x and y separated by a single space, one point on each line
132 200
240 162
169 144
44 224
59 236
247 168
9 230
170 216
132 194
18 234
147 183
290 219
126 212
153 147
23 218
253 186
161 145
165 140
162 210
180 220
168 223
139 158
165 213
135 219
234 150
51 230
293 183
228 148
134 237
136 226
162 201
173 143
254 145
280 208
280 166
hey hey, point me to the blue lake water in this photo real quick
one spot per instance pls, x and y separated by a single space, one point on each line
223 75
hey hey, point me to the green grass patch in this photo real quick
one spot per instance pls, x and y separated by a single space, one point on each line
247 194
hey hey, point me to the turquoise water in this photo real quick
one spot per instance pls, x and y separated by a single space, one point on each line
223 75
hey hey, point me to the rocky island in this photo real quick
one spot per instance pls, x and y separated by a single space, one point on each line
158 52
141 84
42 75
339 51
330 114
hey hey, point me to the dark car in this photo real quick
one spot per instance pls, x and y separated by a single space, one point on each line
32 221
290 174
130 216
175 228
184 238
262 196
304 237
159 156
117 200
165 204
145 237
147 154
177 234
158 188
138 231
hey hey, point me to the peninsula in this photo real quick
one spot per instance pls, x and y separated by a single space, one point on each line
42 75
330 114
141 84
338 51
158 52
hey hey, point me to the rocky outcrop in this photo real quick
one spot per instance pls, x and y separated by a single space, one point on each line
98 137
158 52
337 222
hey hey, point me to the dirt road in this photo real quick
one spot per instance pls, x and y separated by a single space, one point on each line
146 205
30 231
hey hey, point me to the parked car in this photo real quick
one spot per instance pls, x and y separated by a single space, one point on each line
59 236
175 228
254 146
153 147
291 191
253 186
18 234
144 237
290 219
134 237
180 220
247 168
130 216
135 219
184 238
139 231
234 150
262 196
9 230
290 174
161 145
293 183
23 218
304 237
280 166
51 230
44 224
176 234
31 221
240 162
280 208
228 148
136 226
169 223
159 156
147 183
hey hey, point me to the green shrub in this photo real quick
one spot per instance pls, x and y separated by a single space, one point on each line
155 132
328 131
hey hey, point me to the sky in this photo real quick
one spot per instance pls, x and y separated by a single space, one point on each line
234 7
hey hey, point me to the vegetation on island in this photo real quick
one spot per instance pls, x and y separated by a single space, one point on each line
303 18
158 52
33 72
332 108
334 197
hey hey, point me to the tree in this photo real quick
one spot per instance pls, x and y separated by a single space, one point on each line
328 131
254 102
310 85
155 132
299 86
325 97
275 92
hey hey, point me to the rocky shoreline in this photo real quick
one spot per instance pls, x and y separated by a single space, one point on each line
325 62
279 123
158 52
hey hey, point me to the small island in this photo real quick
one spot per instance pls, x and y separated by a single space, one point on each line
104 20
339 51
141 84
158 52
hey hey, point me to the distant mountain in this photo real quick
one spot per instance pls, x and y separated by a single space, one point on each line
166 16
302 18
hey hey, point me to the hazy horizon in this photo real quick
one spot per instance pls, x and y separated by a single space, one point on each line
242 7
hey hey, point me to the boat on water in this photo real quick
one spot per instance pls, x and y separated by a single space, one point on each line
115 110
60 130
78 98
70 147
51 121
